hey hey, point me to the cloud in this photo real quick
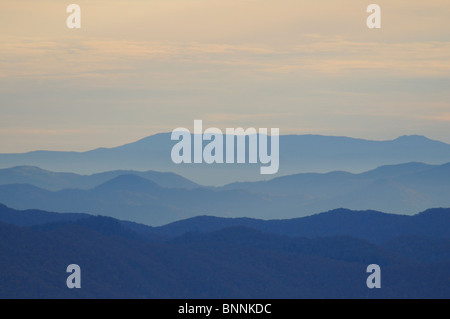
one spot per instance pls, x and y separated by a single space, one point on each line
155 65
442 117
320 55
233 117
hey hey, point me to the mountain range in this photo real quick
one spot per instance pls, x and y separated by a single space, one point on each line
140 197
373 226
60 180
223 258
140 226
298 154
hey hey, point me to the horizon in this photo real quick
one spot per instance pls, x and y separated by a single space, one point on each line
169 133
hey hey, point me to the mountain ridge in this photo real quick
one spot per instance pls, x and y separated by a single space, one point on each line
298 154
372 226
52 180
407 188
233 262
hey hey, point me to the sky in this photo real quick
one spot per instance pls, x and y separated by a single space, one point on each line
139 67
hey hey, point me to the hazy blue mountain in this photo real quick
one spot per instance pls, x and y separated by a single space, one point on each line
320 184
403 189
298 153
372 226
419 248
137 199
390 171
42 219
236 262
398 188
58 180
33 217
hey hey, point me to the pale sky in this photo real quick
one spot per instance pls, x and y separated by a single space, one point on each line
140 67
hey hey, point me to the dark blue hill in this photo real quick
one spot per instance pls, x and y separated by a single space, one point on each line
235 262
372 226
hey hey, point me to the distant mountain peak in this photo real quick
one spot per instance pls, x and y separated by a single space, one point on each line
128 182
414 138
298 154
26 168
